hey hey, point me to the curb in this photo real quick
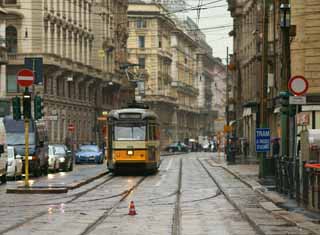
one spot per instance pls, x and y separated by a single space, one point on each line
36 190
54 190
87 181
172 154
242 212
260 192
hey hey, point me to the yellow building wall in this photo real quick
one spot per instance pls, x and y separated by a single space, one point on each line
305 49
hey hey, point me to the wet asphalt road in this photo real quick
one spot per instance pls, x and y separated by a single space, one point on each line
180 199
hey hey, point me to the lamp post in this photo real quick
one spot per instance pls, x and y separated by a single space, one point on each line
285 31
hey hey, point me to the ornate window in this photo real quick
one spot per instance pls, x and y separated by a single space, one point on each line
12 39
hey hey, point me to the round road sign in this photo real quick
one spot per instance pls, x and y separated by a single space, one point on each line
25 77
298 85
71 127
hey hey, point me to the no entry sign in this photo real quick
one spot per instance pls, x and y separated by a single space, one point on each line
71 127
25 77
298 85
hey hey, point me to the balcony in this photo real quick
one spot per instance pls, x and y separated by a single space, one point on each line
185 88
108 44
165 77
165 53
164 96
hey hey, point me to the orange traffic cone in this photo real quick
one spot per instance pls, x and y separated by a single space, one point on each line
132 209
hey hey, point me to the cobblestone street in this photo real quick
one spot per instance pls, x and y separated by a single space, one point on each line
191 194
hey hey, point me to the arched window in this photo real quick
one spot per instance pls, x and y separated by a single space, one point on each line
12 39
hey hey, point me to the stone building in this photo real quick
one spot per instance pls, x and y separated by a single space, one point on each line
305 54
149 45
79 42
246 62
179 71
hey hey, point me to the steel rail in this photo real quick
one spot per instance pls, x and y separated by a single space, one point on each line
256 228
42 213
110 211
176 219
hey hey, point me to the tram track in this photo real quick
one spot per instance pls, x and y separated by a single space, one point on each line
110 211
222 190
42 213
176 219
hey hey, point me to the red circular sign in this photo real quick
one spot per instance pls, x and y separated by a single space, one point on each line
25 77
71 127
298 85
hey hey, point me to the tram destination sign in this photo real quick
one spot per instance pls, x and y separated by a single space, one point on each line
262 140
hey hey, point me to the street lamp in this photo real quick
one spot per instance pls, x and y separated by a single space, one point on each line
285 15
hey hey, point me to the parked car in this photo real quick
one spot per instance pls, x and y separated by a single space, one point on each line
3 153
89 153
14 163
174 147
3 165
60 158
38 143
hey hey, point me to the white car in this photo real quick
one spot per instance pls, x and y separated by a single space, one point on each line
3 165
14 164
3 153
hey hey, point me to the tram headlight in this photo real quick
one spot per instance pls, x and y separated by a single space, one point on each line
130 152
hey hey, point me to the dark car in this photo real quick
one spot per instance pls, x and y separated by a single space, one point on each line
38 144
60 158
177 147
89 154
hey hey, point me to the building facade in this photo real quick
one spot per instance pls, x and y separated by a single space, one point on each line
79 43
180 71
305 54
149 45
246 74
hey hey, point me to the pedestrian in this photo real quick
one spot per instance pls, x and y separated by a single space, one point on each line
276 148
179 146
246 148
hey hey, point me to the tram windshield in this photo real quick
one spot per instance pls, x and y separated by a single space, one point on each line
130 131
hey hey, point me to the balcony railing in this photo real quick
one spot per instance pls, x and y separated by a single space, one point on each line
184 87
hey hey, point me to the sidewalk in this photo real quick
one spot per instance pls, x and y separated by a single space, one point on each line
270 201
60 182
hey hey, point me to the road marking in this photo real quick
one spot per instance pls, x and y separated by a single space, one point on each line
164 175
169 164
160 181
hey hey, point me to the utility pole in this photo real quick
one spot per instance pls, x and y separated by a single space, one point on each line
286 73
264 83
227 111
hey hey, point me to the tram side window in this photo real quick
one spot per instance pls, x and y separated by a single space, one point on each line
153 132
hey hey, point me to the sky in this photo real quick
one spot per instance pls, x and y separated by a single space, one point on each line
214 16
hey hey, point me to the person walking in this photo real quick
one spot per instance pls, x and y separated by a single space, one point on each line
276 148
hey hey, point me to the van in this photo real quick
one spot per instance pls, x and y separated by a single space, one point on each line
3 154
38 144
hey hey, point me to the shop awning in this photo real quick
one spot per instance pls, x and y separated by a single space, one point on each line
277 110
313 166
246 112
232 122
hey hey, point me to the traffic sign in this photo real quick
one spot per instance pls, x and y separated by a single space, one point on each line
25 77
303 119
298 100
298 85
227 129
262 140
36 65
71 127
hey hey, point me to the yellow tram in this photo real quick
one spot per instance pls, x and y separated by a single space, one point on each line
133 140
